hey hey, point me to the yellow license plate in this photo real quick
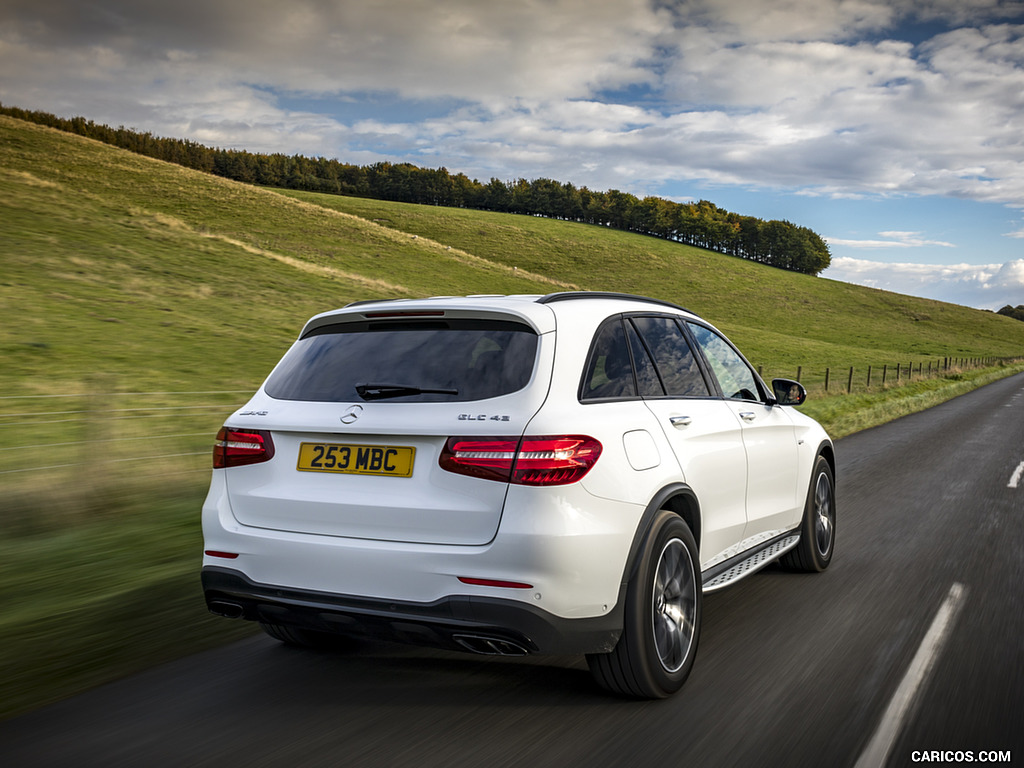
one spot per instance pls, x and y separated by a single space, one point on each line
390 460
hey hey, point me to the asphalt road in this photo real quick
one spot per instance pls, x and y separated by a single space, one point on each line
793 670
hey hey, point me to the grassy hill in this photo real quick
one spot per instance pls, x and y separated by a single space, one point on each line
140 303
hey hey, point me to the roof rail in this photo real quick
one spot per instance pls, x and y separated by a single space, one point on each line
572 295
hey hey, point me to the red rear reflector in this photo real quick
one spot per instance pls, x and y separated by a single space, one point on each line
495 583
215 553
235 447
544 460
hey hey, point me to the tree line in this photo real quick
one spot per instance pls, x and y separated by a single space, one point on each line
703 224
1017 313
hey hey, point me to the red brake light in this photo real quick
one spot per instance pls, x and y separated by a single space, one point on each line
545 460
555 460
235 448
420 313
488 457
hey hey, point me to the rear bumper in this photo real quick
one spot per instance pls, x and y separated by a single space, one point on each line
460 622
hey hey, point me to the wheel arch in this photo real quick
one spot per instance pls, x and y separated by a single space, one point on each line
827 450
677 497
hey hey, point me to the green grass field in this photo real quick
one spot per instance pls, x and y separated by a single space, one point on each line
141 302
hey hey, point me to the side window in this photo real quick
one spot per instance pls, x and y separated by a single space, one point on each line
733 373
609 371
647 378
676 364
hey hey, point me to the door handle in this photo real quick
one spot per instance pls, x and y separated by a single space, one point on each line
680 421
748 415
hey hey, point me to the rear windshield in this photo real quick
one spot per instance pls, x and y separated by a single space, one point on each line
407 361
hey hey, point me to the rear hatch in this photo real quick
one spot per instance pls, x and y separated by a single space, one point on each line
357 413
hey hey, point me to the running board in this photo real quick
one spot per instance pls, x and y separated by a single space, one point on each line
751 563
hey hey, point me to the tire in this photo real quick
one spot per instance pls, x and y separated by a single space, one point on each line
818 527
302 638
661 626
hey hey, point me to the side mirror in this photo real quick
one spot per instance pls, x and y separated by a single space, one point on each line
788 392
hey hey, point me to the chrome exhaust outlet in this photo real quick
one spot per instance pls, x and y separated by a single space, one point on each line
490 646
225 609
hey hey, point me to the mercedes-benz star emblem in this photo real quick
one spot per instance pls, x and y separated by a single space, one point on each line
351 414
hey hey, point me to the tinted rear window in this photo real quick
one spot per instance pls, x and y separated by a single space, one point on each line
476 359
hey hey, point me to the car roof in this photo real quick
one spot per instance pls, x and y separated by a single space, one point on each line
549 298
538 310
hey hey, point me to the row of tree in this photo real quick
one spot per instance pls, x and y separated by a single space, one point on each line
703 224
1017 313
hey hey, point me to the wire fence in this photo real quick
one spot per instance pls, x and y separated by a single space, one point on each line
870 378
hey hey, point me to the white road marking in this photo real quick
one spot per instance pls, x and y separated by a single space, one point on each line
877 751
1015 480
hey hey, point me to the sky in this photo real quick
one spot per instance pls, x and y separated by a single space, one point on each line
892 128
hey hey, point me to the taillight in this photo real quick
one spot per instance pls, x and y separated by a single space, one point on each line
555 460
488 457
544 460
236 447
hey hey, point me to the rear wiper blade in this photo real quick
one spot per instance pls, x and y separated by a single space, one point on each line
384 391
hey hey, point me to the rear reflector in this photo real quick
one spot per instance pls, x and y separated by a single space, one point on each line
215 553
542 460
235 448
495 583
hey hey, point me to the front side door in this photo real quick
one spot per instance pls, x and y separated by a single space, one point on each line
769 437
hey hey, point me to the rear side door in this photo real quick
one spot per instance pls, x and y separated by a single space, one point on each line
702 429
773 498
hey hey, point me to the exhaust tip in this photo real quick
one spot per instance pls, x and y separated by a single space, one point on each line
490 646
225 609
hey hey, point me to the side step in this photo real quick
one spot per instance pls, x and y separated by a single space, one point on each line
749 563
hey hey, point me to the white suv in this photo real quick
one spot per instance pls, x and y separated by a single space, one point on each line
562 474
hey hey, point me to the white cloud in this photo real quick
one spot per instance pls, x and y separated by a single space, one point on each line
486 52
892 239
760 92
986 286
